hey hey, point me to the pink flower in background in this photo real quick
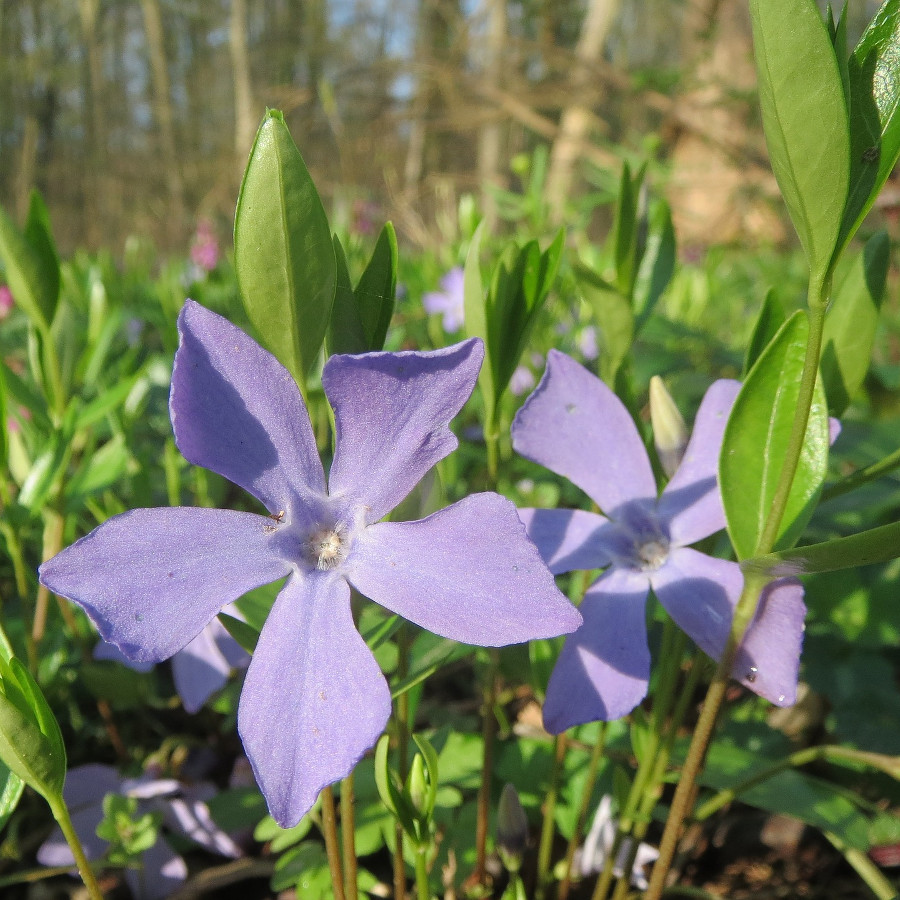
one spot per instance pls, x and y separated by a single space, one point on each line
205 246
6 301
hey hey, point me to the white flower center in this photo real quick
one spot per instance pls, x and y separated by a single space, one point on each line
326 548
652 554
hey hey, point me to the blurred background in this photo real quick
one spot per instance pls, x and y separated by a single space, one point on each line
135 117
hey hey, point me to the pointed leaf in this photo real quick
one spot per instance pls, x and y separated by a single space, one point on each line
476 318
771 318
377 288
805 120
284 256
39 235
345 330
756 439
657 264
874 71
625 230
35 287
851 322
876 545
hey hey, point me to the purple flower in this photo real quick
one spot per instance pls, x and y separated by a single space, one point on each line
575 426
314 699
449 301
599 843
522 380
586 341
6 301
200 669
183 808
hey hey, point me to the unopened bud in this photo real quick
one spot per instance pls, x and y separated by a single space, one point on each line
670 434
418 785
512 829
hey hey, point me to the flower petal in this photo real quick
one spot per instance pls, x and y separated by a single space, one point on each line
391 412
576 426
604 667
236 410
314 700
700 592
468 572
201 669
150 579
691 501
191 817
768 660
567 539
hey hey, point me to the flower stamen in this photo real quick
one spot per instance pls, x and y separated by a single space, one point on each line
327 548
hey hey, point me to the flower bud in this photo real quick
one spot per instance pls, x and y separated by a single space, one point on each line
670 434
512 829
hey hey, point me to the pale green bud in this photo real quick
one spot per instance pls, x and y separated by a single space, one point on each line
670 434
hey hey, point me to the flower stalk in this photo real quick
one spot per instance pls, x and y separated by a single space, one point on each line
746 607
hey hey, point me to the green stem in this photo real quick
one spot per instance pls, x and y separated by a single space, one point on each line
332 845
746 605
586 796
401 717
492 441
423 892
348 837
865 868
61 814
548 826
863 476
489 735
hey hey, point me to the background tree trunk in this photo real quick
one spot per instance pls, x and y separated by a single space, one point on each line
245 117
575 121
490 138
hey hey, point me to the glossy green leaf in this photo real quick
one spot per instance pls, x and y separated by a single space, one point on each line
615 322
377 288
31 744
874 71
345 330
756 439
105 466
11 788
851 322
863 549
805 120
771 317
34 285
39 235
284 255
431 765
837 31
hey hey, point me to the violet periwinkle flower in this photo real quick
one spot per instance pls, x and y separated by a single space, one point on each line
200 670
184 811
314 699
575 426
586 341
449 301
522 381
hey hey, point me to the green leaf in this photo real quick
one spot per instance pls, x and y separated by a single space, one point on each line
874 71
805 121
39 235
429 754
625 230
615 321
103 468
4 439
476 319
246 635
812 800
304 868
377 288
851 322
34 285
756 439
11 788
31 744
863 549
345 330
771 318
284 255
658 263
